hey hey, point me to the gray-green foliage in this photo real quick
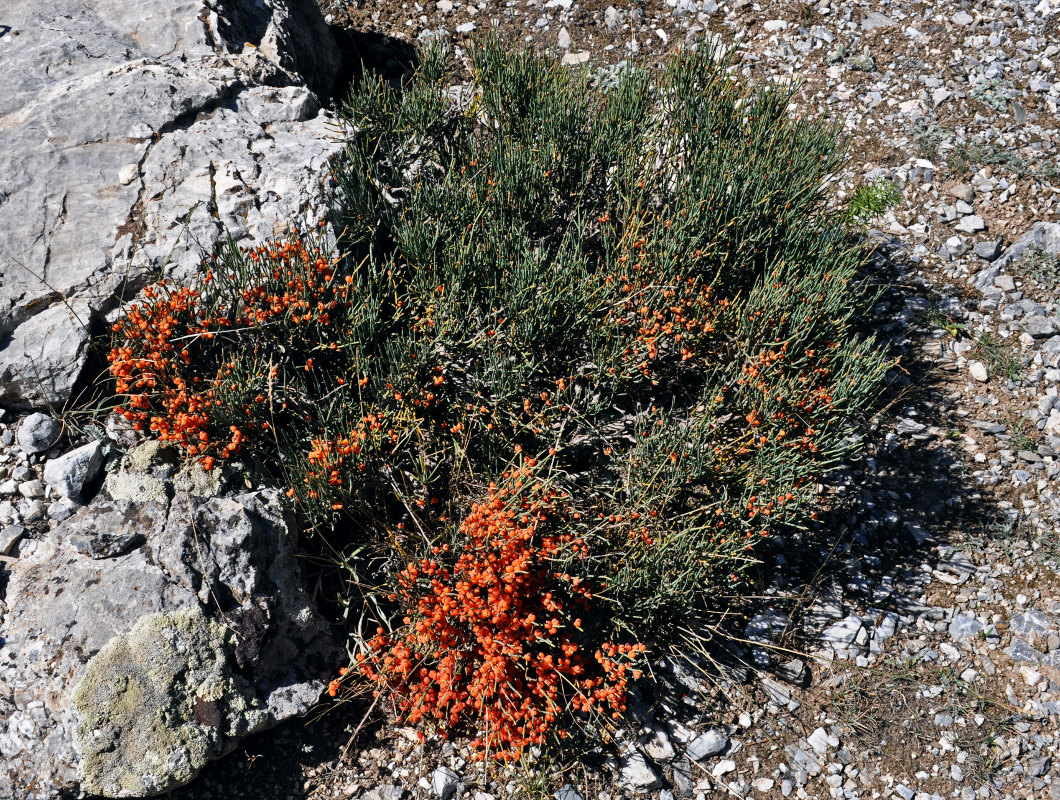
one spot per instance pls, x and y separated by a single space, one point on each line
991 93
658 248
863 62
636 282
1042 266
967 157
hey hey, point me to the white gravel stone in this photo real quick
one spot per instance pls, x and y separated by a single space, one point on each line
636 772
971 224
818 740
444 783
1031 677
977 369
723 767
31 489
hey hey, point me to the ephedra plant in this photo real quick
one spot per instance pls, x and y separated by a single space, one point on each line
579 349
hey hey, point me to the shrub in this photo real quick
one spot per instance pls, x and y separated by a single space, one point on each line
630 296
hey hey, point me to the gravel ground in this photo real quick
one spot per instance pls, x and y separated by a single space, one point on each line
909 646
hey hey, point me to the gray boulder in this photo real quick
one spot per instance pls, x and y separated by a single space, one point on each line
134 134
144 639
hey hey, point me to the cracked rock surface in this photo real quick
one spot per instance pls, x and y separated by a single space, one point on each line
143 639
133 135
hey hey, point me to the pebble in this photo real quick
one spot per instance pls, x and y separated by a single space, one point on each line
964 627
31 489
793 672
1030 676
637 774
723 767
988 250
818 740
444 783
707 744
972 223
9 535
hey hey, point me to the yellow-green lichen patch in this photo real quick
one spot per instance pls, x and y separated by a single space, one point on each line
156 704
127 484
196 481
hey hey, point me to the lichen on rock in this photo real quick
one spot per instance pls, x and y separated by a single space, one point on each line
159 702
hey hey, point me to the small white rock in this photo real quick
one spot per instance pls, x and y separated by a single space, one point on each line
128 174
38 432
972 223
977 369
1031 677
723 767
31 489
572 59
444 782
31 510
69 473
819 740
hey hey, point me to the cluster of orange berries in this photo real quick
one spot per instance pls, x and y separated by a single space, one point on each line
155 360
151 368
496 640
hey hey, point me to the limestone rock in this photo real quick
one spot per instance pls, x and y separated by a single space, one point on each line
134 134
69 473
151 702
708 744
99 610
636 774
444 782
1044 236
38 432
